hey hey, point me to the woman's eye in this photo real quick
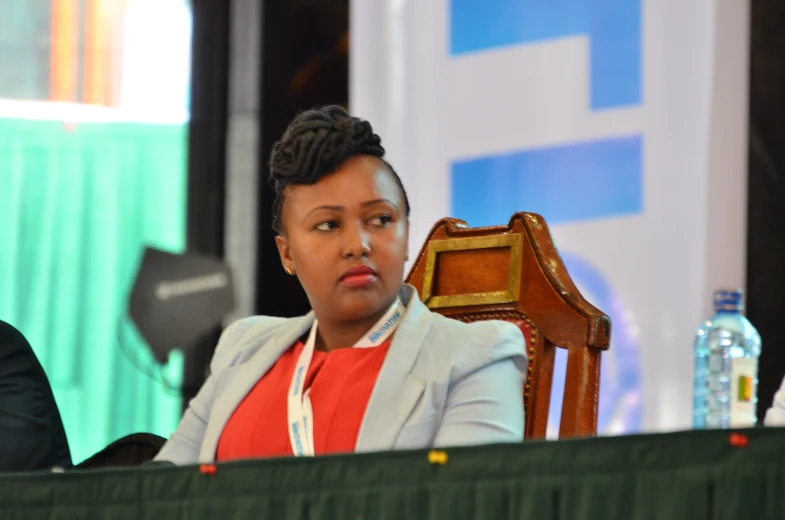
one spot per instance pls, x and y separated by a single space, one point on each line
380 221
327 226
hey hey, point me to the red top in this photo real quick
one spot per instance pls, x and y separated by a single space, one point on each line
341 382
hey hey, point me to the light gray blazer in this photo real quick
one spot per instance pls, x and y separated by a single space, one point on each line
443 383
775 416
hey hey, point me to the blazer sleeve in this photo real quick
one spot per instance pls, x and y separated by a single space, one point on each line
485 398
775 416
184 444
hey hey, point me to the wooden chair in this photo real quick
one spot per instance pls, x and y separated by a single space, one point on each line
515 273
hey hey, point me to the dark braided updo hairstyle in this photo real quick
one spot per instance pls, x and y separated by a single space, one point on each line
315 145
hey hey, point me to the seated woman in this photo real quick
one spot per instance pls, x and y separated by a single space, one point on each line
370 368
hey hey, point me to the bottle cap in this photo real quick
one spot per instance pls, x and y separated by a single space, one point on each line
728 300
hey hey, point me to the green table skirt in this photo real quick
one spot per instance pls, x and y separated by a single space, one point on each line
692 475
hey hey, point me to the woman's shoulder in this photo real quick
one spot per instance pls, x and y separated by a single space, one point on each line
471 346
243 337
485 332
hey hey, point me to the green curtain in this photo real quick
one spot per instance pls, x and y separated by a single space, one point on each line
79 202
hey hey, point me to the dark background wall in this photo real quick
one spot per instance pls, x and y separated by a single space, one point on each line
207 158
304 63
766 209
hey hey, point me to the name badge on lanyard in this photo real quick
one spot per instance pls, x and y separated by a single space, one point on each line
299 408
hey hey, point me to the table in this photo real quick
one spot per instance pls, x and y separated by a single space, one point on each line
714 475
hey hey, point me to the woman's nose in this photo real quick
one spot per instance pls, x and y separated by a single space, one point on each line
357 242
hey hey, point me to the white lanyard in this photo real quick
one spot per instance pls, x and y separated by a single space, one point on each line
300 412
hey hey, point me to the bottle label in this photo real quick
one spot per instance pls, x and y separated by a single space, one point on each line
743 390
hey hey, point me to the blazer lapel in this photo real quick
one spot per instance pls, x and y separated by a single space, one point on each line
396 391
237 381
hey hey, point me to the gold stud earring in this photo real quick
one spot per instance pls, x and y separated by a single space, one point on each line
290 272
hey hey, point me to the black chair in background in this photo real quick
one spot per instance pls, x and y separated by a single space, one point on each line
132 450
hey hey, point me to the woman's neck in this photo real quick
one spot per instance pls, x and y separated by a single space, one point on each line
334 335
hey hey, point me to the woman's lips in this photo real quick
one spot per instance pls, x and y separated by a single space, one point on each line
359 276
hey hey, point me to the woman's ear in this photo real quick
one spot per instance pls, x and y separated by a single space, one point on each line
406 237
286 254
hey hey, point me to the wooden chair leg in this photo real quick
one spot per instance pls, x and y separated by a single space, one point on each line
581 393
540 393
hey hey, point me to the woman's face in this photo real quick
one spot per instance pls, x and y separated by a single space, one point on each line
346 237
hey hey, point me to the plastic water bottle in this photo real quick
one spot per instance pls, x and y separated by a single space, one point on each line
727 348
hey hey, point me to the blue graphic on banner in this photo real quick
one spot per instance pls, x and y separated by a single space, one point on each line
613 28
565 183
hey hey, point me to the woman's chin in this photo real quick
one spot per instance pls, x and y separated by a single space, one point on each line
361 307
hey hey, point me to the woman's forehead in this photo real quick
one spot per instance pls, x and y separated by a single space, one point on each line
358 180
